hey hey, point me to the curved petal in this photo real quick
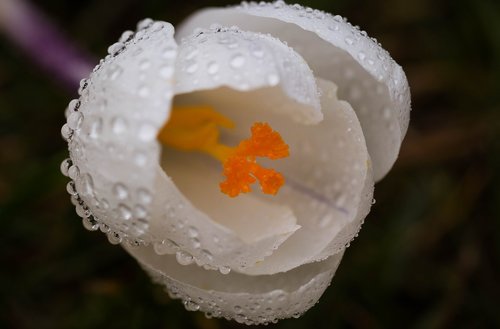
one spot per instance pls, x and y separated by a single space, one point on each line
111 131
326 173
246 299
367 77
188 200
187 227
247 61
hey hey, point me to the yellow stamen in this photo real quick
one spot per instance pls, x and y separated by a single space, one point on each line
197 129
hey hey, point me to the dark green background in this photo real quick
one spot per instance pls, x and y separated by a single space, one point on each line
427 257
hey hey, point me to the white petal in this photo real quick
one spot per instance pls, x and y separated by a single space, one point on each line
195 236
246 61
246 299
227 232
112 130
326 173
252 219
367 77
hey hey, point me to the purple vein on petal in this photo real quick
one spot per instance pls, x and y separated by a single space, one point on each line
306 191
44 43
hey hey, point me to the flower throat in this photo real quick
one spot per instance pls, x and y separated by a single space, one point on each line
196 128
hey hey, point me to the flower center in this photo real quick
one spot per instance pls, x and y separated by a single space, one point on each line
196 128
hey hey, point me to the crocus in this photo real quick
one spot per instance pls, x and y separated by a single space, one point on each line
236 159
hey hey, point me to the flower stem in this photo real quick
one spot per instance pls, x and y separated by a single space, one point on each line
44 43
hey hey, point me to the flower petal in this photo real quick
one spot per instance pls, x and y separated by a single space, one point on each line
367 77
186 226
245 61
111 132
246 299
328 173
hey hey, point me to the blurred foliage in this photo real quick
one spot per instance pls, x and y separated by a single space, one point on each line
427 257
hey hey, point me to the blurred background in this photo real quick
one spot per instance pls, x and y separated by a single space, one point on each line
428 255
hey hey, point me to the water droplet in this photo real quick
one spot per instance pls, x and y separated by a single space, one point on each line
147 132
374 201
143 91
71 188
120 191
114 237
192 67
165 247
224 270
96 128
349 41
207 254
166 72
196 243
126 36
213 68
87 185
115 72
73 172
361 55
140 211
238 309
66 132
90 224
144 24
140 159
192 232
191 306
145 64
118 125
169 52
237 61
116 48
75 120
184 258
273 79
144 196
124 212
74 105
65 165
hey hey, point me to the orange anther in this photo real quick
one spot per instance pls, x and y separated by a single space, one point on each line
241 168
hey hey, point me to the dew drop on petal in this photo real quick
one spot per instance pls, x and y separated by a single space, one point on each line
75 120
147 132
166 72
213 68
184 258
73 172
114 238
118 125
144 196
143 91
96 128
124 212
120 191
273 79
191 306
224 270
237 61
65 165
90 224
70 187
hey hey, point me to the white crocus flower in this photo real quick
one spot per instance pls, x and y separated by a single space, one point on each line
339 101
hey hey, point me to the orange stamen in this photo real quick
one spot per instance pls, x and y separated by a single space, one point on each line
241 168
197 129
